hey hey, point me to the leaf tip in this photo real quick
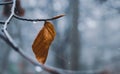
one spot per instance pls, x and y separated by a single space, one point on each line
58 16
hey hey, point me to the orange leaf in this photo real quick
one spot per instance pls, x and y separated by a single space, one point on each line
43 41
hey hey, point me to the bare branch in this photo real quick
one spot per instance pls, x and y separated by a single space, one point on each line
3 37
6 3
9 40
1 22
25 19
11 15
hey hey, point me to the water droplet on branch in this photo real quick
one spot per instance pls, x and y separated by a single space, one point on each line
38 69
34 22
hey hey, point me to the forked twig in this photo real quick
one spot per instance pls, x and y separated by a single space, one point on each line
9 40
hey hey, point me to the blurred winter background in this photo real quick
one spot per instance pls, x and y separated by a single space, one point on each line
87 40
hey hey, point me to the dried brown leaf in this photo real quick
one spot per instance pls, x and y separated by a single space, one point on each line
43 41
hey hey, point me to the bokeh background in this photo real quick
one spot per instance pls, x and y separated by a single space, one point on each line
87 40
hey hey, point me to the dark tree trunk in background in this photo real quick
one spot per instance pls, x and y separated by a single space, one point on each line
75 44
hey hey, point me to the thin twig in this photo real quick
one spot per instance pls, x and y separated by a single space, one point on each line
34 20
1 22
26 19
11 15
3 37
8 39
6 3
